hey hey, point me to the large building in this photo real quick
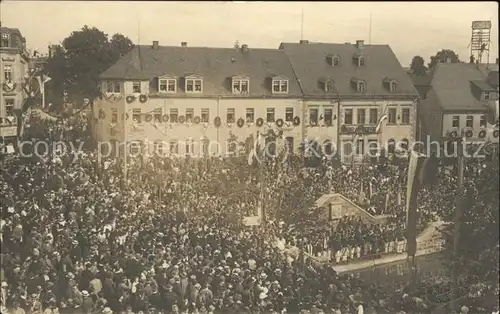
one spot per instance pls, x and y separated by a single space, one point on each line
14 66
346 89
187 97
461 99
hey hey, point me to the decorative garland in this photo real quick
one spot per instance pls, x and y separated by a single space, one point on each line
165 118
279 123
217 122
149 117
130 98
102 114
454 134
482 134
197 120
469 133
495 133
143 98
260 122
182 119
240 122
296 121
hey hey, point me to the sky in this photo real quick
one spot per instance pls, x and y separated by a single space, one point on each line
410 28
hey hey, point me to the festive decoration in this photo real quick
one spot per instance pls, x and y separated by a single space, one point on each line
260 122
279 123
165 118
112 97
217 121
125 115
9 86
495 133
240 122
469 133
197 119
143 98
482 134
130 98
296 121
454 134
149 117
102 114
182 119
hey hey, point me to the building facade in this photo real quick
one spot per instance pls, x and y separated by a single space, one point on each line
199 101
462 100
346 90
14 66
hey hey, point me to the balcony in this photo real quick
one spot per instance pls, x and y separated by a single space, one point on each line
357 129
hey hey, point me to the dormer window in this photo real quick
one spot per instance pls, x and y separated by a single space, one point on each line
333 60
136 87
194 84
358 84
5 40
240 85
167 85
280 85
329 86
486 95
391 84
361 61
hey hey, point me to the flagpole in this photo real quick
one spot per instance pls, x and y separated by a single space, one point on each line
125 149
458 210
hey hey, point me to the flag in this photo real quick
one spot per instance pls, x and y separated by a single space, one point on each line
370 189
399 196
422 171
380 120
253 156
386 203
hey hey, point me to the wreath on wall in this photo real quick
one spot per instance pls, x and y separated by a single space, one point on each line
197 120
482 134
130 98
469 133
149 117
165 118
143 98
296 121
260 122
240 122
495 133
279 123
102 114
182 119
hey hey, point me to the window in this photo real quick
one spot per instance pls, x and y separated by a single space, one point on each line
189 145
157 115
455 121
393 85
482 121
313 116
391 119
135 147
189 115
289 144
329 86
136 87
250 115
486 96
231 116
405 119
361 116
240 86
361 61
469 122
328 116
136 115
270 115
289 114
158 148
194 85
9 107
174 147
114 115
327 146
7 72
373 115
167 85
335 61
348 116
360 86
174 115
5 40
360 147
112 87
205 115
280 86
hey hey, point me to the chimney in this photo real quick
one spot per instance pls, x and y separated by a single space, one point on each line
360 44
155 44
244 48
184 44
304 41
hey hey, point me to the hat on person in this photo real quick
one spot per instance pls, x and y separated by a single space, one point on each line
85 293
107 310
4 284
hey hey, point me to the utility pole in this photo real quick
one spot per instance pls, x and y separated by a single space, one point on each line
459 209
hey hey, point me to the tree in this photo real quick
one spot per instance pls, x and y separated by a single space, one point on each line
442 55
56 69
236 45
418 66
120 45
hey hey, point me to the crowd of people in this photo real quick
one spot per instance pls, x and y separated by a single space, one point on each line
78 236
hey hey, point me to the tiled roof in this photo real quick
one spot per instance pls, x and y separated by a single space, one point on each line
310 64
215 65
451 85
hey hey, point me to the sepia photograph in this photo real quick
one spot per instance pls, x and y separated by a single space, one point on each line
219 157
